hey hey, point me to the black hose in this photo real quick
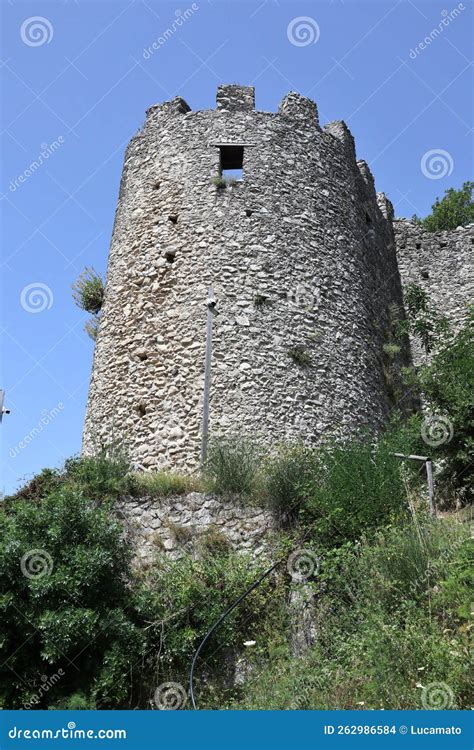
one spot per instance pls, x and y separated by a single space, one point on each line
219 621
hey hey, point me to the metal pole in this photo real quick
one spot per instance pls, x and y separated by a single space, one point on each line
211 303
429 475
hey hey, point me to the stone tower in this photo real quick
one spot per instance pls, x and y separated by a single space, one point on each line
300 254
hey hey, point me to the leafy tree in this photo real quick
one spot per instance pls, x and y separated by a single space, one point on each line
65 606
448 386
422 321
454 210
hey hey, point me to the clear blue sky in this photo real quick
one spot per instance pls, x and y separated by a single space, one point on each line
78 81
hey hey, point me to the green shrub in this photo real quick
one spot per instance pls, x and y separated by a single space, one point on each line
219 182
183 599
103 476
88 291
385 630
353 487
448 387
65 604
91 327
232 466
214 542
454 210
422 321
38 487
285 475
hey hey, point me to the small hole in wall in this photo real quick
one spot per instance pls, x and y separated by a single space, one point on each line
170 256
142 356
173 218
425 275
141 410
418 245
156 184
248 212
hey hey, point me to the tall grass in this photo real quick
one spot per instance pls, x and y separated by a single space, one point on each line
232 466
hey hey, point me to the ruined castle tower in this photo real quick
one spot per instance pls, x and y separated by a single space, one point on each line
300 254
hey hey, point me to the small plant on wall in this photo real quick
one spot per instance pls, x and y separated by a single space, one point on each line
88 294
300 355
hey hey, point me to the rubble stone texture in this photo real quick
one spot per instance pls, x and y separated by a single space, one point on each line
442 264
301 256
177 525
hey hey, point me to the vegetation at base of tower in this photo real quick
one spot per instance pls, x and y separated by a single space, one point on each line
448 386
64 603
88 294
164 483
84 628
232 466
455 209
393 601
393 617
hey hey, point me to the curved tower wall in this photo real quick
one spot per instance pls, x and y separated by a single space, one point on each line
301 258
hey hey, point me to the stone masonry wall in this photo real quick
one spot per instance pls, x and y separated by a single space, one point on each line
441 263
302 259
179 524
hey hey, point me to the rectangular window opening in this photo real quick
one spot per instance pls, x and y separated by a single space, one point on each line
232 162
